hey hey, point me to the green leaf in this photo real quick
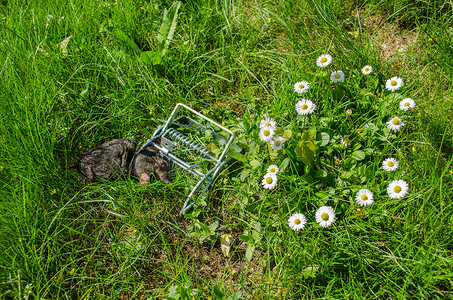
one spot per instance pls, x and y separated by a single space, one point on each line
310 271
218 292
64 46
167 27
321 174
126 40
245 238
213 227
273 154
225 244
244 174
287 134
321 195
284 164
349 163
306 148
255 164
323 138
307 178
249 252
253 149
358 155
151 57
237 156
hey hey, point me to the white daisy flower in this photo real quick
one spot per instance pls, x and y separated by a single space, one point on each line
269 181
277 143
325 216
266 134
395 124
407 103
390 164
346 141
268 122
394 83
367 70
397 189
305 107
324 60
364 197
273 169
301 87
337 76
297 221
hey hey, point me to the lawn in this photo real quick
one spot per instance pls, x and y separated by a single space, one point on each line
75 74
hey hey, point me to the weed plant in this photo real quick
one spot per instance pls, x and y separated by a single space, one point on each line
78 73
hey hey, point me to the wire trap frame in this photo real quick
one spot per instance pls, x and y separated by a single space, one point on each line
195 143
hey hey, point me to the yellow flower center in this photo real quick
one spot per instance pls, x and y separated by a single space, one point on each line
367 69
304 106
395 121
397 189
393 83
266 132
301 86
297 221
269 180
337 76
323 60
364 197
390 164
346 140
272 170
277 143
325 216
406 104
267 124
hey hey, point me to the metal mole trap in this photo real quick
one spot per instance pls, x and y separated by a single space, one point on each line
195 143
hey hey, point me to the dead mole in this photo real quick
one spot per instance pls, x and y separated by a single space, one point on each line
113 159
107 161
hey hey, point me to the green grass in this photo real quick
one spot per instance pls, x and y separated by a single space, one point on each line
63 237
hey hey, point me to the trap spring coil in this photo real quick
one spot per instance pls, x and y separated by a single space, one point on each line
185 140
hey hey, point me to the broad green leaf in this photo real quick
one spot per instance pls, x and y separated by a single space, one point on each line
287 134
257 231
218 292
321 195
349 163
213 226
323 138
312 132
64 46
151 57
306 148
237 156
119 34
321 174
273 154
214 149
358 155
307 178
255 164
244 174
253 149
245 238
249 252
284 164
225 244
310 271
167 27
